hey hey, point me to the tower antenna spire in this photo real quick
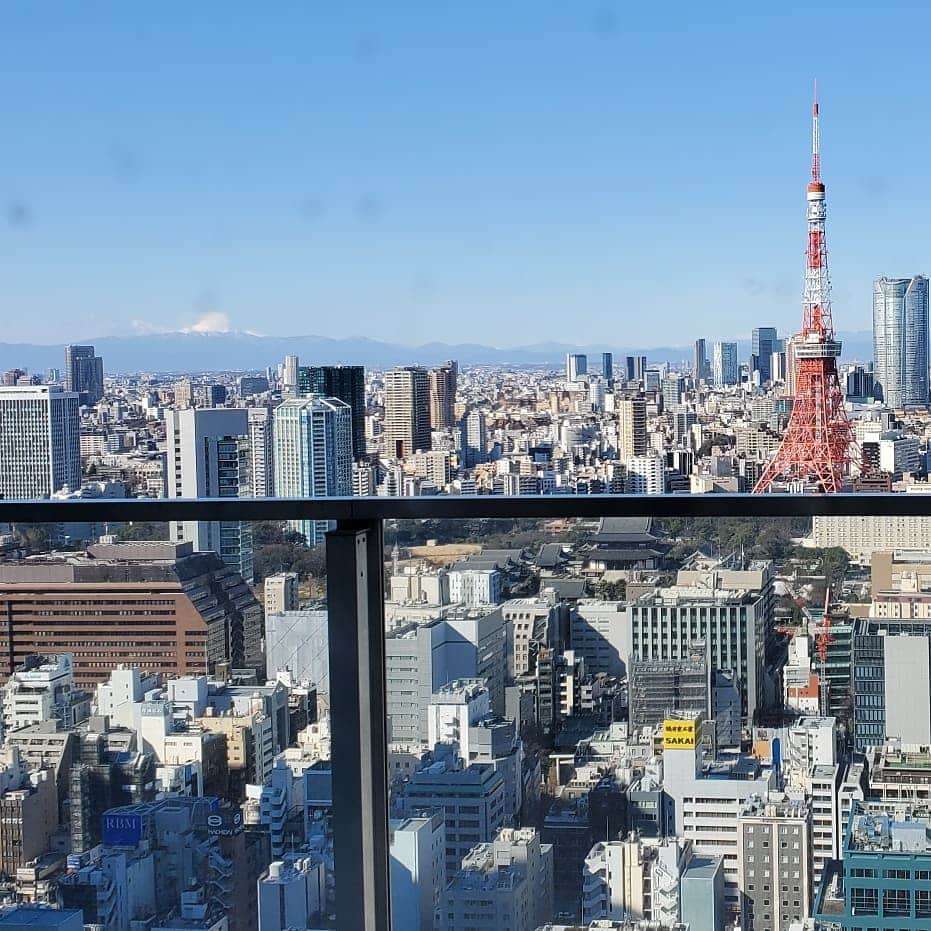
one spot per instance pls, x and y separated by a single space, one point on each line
815 139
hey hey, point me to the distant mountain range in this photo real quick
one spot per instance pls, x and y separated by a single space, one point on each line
236 351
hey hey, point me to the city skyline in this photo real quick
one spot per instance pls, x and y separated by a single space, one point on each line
259 216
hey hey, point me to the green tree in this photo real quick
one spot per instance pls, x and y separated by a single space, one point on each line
143 530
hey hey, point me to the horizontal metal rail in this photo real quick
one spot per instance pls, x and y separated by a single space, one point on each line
467 507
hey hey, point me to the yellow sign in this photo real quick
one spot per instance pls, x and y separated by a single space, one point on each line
679 735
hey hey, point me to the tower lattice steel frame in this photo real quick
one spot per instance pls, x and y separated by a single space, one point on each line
818 447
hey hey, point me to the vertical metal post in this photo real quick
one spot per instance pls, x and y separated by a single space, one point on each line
356 605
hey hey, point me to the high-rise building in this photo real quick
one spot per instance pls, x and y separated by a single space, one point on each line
631 427
28 811
208 394
156 605
474 439
635 368
407 411
346 382
683 420
672 388
860 384
607 368
472 797
763 345
418 871
84 373
777 364
700 361
646 475
313 455
576 366
443 383
208 456
774 861
725 367
900 340
40 446
891 682
290 376
261 452
705 804
701 606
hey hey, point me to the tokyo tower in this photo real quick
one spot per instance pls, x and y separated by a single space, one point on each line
818 445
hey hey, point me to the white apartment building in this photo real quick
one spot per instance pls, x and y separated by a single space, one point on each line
40 446
812 741
637 878
821 787
475 586
646 475
208 457
261 450
418 871
42 693
454 709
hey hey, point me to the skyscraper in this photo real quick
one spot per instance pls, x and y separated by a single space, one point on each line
40 446
700 363
900 340
262 452
84 373
442 382
289 379
576 366
635 367
672 387
607 368
346 382
407 411
725 369
764 342
313 455
631 427
474 439
208 456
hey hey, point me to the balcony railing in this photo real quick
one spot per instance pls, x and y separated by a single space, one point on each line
355 595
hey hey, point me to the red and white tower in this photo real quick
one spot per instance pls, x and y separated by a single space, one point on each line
818 445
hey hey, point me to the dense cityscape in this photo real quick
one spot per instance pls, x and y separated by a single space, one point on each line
615 724
623 723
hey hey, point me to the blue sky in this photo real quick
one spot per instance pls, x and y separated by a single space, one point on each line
498 172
